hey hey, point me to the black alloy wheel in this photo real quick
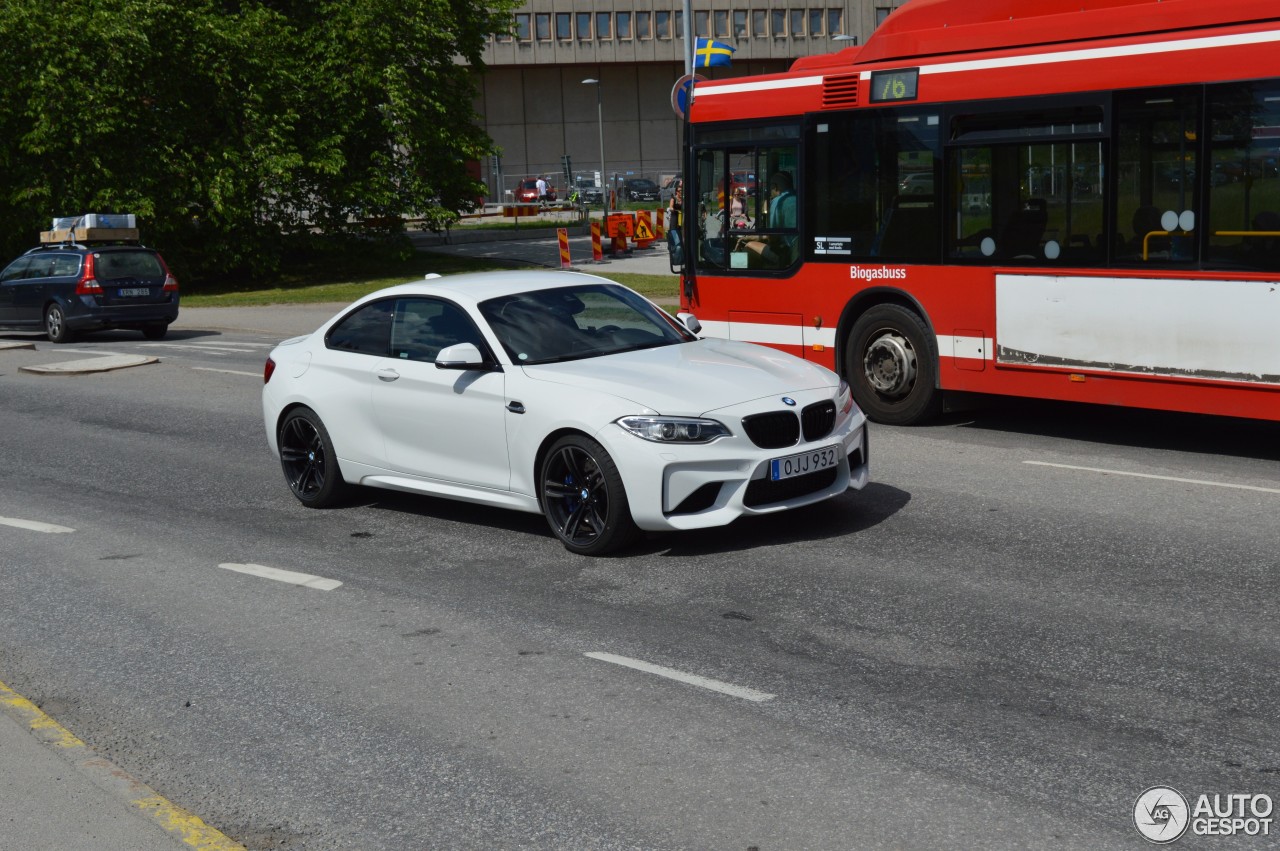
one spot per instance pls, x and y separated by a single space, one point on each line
584 498
308 460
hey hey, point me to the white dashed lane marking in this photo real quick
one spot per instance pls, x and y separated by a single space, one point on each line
34 525
681 676
227 371
304 579
1151 476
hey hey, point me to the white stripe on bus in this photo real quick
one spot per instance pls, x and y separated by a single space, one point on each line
1022 60
949 345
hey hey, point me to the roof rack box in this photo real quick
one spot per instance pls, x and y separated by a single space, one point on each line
89 235
96 220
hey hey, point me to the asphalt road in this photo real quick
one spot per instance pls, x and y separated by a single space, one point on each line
1032 614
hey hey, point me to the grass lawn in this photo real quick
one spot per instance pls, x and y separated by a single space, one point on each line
343 283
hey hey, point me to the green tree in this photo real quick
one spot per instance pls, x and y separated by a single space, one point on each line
232 128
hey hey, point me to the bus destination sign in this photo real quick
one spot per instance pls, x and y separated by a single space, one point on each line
895 85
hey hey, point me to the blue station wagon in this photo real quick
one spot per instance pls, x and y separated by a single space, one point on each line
67 288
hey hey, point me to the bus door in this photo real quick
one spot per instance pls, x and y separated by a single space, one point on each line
743 202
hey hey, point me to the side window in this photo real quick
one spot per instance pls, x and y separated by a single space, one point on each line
15 270
1244 186
65 265
875 188
367 331
1027 187
1157 168
424 326
41 266
748 208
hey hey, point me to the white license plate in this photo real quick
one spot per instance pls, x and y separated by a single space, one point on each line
126 292
812 461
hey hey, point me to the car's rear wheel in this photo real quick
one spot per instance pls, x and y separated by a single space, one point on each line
584 498
155 331
308 460
55 325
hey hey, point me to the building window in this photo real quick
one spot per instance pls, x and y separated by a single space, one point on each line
604 25
797 23
679 24
701 24
882 12
542 26
739 24
722 23
564 26
662 20
503 36
835 21
779 23
815 22
624 26
522 26
760 23
584 26
644 25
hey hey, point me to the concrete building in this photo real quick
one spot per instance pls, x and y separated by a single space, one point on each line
536 107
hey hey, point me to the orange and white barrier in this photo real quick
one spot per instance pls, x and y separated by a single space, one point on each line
563 234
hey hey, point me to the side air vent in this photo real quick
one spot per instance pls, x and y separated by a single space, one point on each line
840 91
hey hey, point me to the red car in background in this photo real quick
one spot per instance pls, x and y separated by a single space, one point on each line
527 191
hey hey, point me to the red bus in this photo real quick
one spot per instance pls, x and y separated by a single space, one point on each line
1061 199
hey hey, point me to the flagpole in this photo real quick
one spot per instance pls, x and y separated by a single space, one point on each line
690 194
688 39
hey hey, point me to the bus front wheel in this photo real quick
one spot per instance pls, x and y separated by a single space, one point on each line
891 368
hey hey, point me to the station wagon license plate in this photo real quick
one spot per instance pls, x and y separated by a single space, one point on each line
127 292
813 461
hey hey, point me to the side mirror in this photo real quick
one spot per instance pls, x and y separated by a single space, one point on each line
690 321
461 356
675 250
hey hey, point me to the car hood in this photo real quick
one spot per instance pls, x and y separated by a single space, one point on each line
690 379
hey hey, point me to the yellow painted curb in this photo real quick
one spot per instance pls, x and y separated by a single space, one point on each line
171 818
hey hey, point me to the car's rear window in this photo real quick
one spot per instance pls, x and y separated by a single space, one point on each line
127 264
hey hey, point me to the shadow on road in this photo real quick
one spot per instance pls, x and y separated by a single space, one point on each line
1103 424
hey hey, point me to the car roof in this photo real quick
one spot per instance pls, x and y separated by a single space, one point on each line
476 287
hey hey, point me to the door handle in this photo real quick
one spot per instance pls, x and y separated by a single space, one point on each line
515 407
386 374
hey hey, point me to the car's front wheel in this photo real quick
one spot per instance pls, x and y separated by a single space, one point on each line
308 460
584 499
55 324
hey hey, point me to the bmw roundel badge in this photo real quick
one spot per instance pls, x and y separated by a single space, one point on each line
787 400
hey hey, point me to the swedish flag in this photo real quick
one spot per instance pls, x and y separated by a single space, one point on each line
710 54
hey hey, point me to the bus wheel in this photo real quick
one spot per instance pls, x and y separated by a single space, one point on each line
890 367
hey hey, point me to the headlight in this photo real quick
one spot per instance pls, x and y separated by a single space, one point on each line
844 397
674 429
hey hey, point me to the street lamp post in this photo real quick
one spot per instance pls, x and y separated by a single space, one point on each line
604 185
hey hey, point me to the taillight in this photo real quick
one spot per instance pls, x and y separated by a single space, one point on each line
88 284
267 370
170 282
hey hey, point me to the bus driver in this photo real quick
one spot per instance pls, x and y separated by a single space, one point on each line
774 250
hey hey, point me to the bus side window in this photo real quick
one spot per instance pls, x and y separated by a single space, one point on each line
1243 216
1157 198
1027 188
873 184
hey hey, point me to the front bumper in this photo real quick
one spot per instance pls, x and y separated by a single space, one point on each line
674 487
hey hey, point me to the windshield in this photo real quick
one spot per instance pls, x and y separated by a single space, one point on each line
572 323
